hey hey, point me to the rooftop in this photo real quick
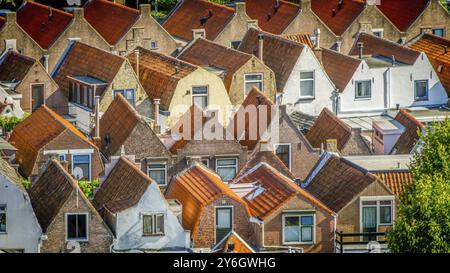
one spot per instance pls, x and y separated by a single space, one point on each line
382 162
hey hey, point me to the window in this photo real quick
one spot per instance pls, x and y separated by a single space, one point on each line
224 222
298 229
200 96
375 213
81 94
153 224
205 162
128 94
77 227
253 80
2 218
283 151
62 157
378 32
307 84
363 89
421 90
386 212
81 166
153 44
226 168
158 172
438 32
235 44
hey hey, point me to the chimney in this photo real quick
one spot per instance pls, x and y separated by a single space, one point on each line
198 33
331 146
11 18
136 52
317 33
240 8
261 47
306 5
145 9
338 46
360 46
264 146
157 126
78 13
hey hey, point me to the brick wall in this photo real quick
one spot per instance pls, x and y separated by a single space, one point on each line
205 235
100 238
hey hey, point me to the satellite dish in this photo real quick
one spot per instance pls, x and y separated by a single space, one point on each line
374 247
78 173
73 247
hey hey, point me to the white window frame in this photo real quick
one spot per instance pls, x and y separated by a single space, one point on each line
314 84
158 169
90 162
5 211
356 90
253 81
377 199
378 30
415 90
290 151
200 95
154 217
299 214
236 166
87 226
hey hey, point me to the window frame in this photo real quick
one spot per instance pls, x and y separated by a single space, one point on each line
363 97
235 41
158 169
155 43
90 163
236 166
438 28
216 208
44 91
253 81
299 215
415 90
123 91
378 30
200 95
376 199
67 226
4 211
290 152
313 86
154 217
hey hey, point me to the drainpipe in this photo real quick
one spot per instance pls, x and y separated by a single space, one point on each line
97 116
46 57
334 232
136 52
261 46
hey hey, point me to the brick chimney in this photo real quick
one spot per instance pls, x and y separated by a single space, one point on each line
145 9
305 5
11 18
240 8
198 33
78 13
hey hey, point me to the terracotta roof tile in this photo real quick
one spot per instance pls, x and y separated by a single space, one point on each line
2 21
339 67
111 20
271 18
395 180
117 123
279 54
410 136
123 188
278 189
402 13
195 188
344 16
15 66
206 53
338 182
35 19
328 126
159 74
188 15
376 46
438 52
302 38
84 60
243 135
234 241
32 134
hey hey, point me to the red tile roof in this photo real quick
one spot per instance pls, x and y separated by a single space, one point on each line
188 14
402 13
15 66
375 46
206 53
410 136
344 17
111 20
278 189
270 18
339 67
195 188
438 52
35 19
279 54
395 180
2 21
302 38
159 74
32 134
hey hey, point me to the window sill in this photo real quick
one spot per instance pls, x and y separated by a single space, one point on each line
363 99
416 99
153 235
3 233
306 98
298 243
77 240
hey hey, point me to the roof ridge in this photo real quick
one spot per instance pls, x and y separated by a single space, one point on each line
410 117
96 48
278 37
113 3
361 33
49 7
215 4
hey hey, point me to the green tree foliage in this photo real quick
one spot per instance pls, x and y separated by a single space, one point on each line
88 187
8 123
423 220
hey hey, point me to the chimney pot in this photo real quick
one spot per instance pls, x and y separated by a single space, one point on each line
361 49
